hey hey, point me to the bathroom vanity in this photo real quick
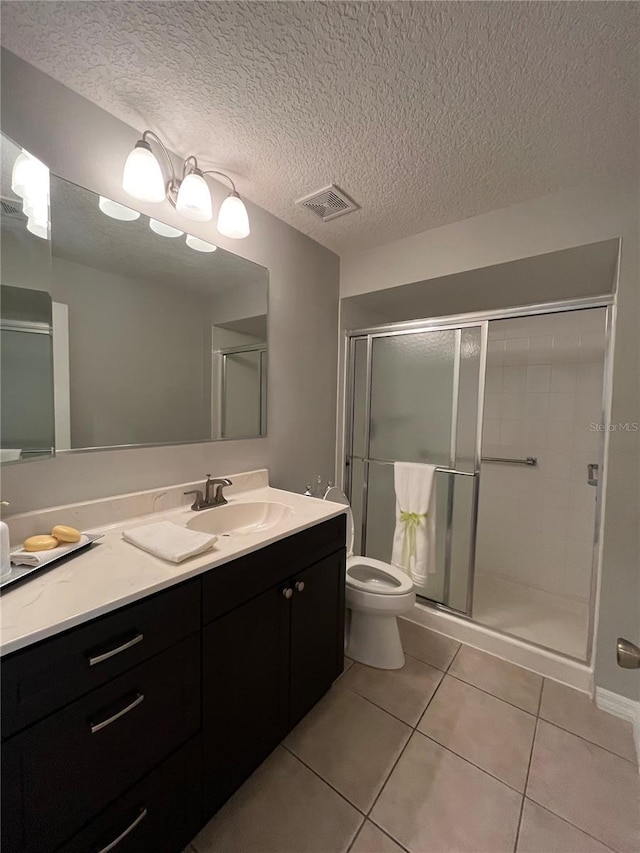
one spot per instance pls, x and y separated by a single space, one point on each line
129 730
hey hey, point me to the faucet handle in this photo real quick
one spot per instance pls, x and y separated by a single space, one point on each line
199 499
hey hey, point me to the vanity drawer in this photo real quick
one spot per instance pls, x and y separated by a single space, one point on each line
81 758
160 814
92 654
232 584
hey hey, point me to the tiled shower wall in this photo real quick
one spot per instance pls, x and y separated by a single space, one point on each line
543 398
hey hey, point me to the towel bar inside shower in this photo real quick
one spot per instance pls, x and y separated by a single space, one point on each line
530 460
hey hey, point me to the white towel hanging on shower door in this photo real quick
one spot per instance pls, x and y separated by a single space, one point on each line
414 538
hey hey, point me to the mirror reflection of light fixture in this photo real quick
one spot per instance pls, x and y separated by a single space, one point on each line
164 230
30 181
29 177
38 228
199 245
116 210
142 179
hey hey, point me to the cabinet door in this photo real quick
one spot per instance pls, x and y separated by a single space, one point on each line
245 692
317 632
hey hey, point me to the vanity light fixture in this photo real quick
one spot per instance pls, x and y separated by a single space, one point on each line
143 179
116 210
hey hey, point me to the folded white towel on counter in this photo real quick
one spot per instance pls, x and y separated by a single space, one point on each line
169 541
37 558
414 538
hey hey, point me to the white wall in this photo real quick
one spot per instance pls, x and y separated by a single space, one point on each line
569 218
543 393
84 144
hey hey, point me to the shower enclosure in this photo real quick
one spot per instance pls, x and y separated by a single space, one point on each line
416 393
416 396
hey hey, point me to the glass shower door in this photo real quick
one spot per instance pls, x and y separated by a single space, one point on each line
415 398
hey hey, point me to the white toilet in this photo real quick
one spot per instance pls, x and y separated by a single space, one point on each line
376 594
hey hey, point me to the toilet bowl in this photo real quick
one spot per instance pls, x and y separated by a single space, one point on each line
376 594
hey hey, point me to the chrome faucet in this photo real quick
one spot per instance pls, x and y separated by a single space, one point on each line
213 493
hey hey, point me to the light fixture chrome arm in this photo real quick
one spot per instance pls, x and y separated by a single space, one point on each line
173 183
222 175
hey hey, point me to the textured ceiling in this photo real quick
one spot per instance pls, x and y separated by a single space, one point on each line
425 113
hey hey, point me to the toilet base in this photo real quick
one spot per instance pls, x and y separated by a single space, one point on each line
374 639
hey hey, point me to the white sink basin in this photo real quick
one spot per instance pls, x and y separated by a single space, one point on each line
239 519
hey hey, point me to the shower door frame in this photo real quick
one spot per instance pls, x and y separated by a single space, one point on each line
439 324
458 321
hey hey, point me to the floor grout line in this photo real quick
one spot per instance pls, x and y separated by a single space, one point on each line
568 822
322 779
388 776
457 652
489 693
353 840
472 763
388 835
526 781
391 714
592 742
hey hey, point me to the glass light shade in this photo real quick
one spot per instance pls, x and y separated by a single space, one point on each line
142 176
116 210
29 177
199 245
233 220
194 198
38 228
164 230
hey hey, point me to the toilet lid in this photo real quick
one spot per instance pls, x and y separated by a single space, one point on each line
336 495
375 576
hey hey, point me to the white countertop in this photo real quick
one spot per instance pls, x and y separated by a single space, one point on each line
113 573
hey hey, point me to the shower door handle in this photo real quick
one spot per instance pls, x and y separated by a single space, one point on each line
592 473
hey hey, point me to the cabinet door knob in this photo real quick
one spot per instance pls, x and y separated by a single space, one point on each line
300 586
287 592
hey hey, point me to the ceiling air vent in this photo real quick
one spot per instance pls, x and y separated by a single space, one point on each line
328 203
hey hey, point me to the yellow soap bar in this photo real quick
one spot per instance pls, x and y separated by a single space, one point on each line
40 543
66 534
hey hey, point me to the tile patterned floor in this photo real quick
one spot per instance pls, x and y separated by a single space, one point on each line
457 752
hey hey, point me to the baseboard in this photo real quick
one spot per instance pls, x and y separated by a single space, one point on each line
621 706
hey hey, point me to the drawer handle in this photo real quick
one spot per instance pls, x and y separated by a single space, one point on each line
106 655
95 727
125 832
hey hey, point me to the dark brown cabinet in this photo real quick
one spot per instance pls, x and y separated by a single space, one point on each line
245 667
265 665
317 633
129 732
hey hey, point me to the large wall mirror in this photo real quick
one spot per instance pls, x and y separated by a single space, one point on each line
153 336
27 427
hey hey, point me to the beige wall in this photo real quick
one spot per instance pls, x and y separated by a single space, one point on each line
559 221
84 144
